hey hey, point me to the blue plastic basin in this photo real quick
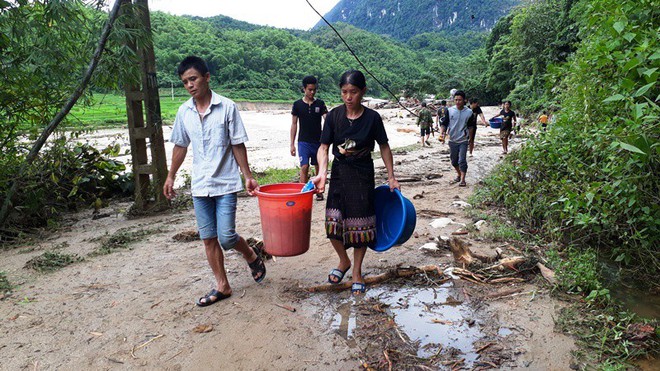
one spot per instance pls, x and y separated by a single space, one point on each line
495 123
395 218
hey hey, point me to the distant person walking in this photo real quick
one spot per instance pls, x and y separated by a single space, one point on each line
308 111
350 215
476 114
509 122
424 121
456 125
212 124
440 115
543 120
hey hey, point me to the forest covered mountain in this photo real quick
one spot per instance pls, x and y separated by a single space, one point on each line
403 19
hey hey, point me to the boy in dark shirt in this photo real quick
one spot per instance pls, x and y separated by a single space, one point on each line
309 112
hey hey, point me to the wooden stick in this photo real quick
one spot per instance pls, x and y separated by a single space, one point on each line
484 347
397 272
388 360
504 293
290 309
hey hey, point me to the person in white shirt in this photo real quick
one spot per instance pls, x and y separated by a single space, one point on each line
213 125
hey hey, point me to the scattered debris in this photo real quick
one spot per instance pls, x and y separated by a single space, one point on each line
431 246
461 204
479 224
202 329
186 236
144 344
433 213
441 222
290 309
547 273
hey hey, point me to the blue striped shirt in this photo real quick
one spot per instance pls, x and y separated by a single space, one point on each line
215 171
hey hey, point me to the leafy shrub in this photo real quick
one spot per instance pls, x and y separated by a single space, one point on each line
591 180
65 176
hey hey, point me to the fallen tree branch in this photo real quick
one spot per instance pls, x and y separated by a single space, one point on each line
397 272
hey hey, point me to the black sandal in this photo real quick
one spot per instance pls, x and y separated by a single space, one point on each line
257 267
215 293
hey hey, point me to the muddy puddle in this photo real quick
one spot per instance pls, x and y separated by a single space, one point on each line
434 319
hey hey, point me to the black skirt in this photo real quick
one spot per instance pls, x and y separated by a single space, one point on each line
350 216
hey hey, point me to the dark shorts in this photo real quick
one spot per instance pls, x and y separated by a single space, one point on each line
425 131
504 134
307 153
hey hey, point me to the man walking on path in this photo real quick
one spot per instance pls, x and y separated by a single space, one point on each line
456 125
214 127
309 112
424 121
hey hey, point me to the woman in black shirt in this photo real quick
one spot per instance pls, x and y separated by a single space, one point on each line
350 220
508 123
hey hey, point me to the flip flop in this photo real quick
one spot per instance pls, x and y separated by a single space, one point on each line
257 267
338 274
319 197
358 288
462 184
215 293
456 180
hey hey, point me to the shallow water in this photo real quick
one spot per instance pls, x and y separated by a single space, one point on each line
431 316
630 294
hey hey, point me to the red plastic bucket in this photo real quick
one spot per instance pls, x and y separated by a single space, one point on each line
286 218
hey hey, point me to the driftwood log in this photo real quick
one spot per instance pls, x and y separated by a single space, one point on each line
397 272
463 254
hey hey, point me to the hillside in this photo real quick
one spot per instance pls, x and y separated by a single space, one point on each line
403 19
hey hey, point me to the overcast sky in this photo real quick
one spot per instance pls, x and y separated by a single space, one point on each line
277 13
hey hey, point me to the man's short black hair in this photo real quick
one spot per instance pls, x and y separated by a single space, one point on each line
461 93
474 100
195 62
309 80
423 104
444 102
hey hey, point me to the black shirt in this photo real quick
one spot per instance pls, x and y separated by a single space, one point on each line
472 121
507 123
365 131
309 116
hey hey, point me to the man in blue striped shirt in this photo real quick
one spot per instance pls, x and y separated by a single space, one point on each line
213 125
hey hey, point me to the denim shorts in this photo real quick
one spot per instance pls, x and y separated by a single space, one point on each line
307 153
217 214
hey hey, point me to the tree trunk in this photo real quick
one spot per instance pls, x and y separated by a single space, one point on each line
39 143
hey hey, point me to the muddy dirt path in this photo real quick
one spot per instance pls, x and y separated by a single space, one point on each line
135 307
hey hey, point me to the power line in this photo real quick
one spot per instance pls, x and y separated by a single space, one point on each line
358 59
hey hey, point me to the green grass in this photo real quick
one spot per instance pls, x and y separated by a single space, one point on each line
5 286
51 261
122 239
271 176
109 110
